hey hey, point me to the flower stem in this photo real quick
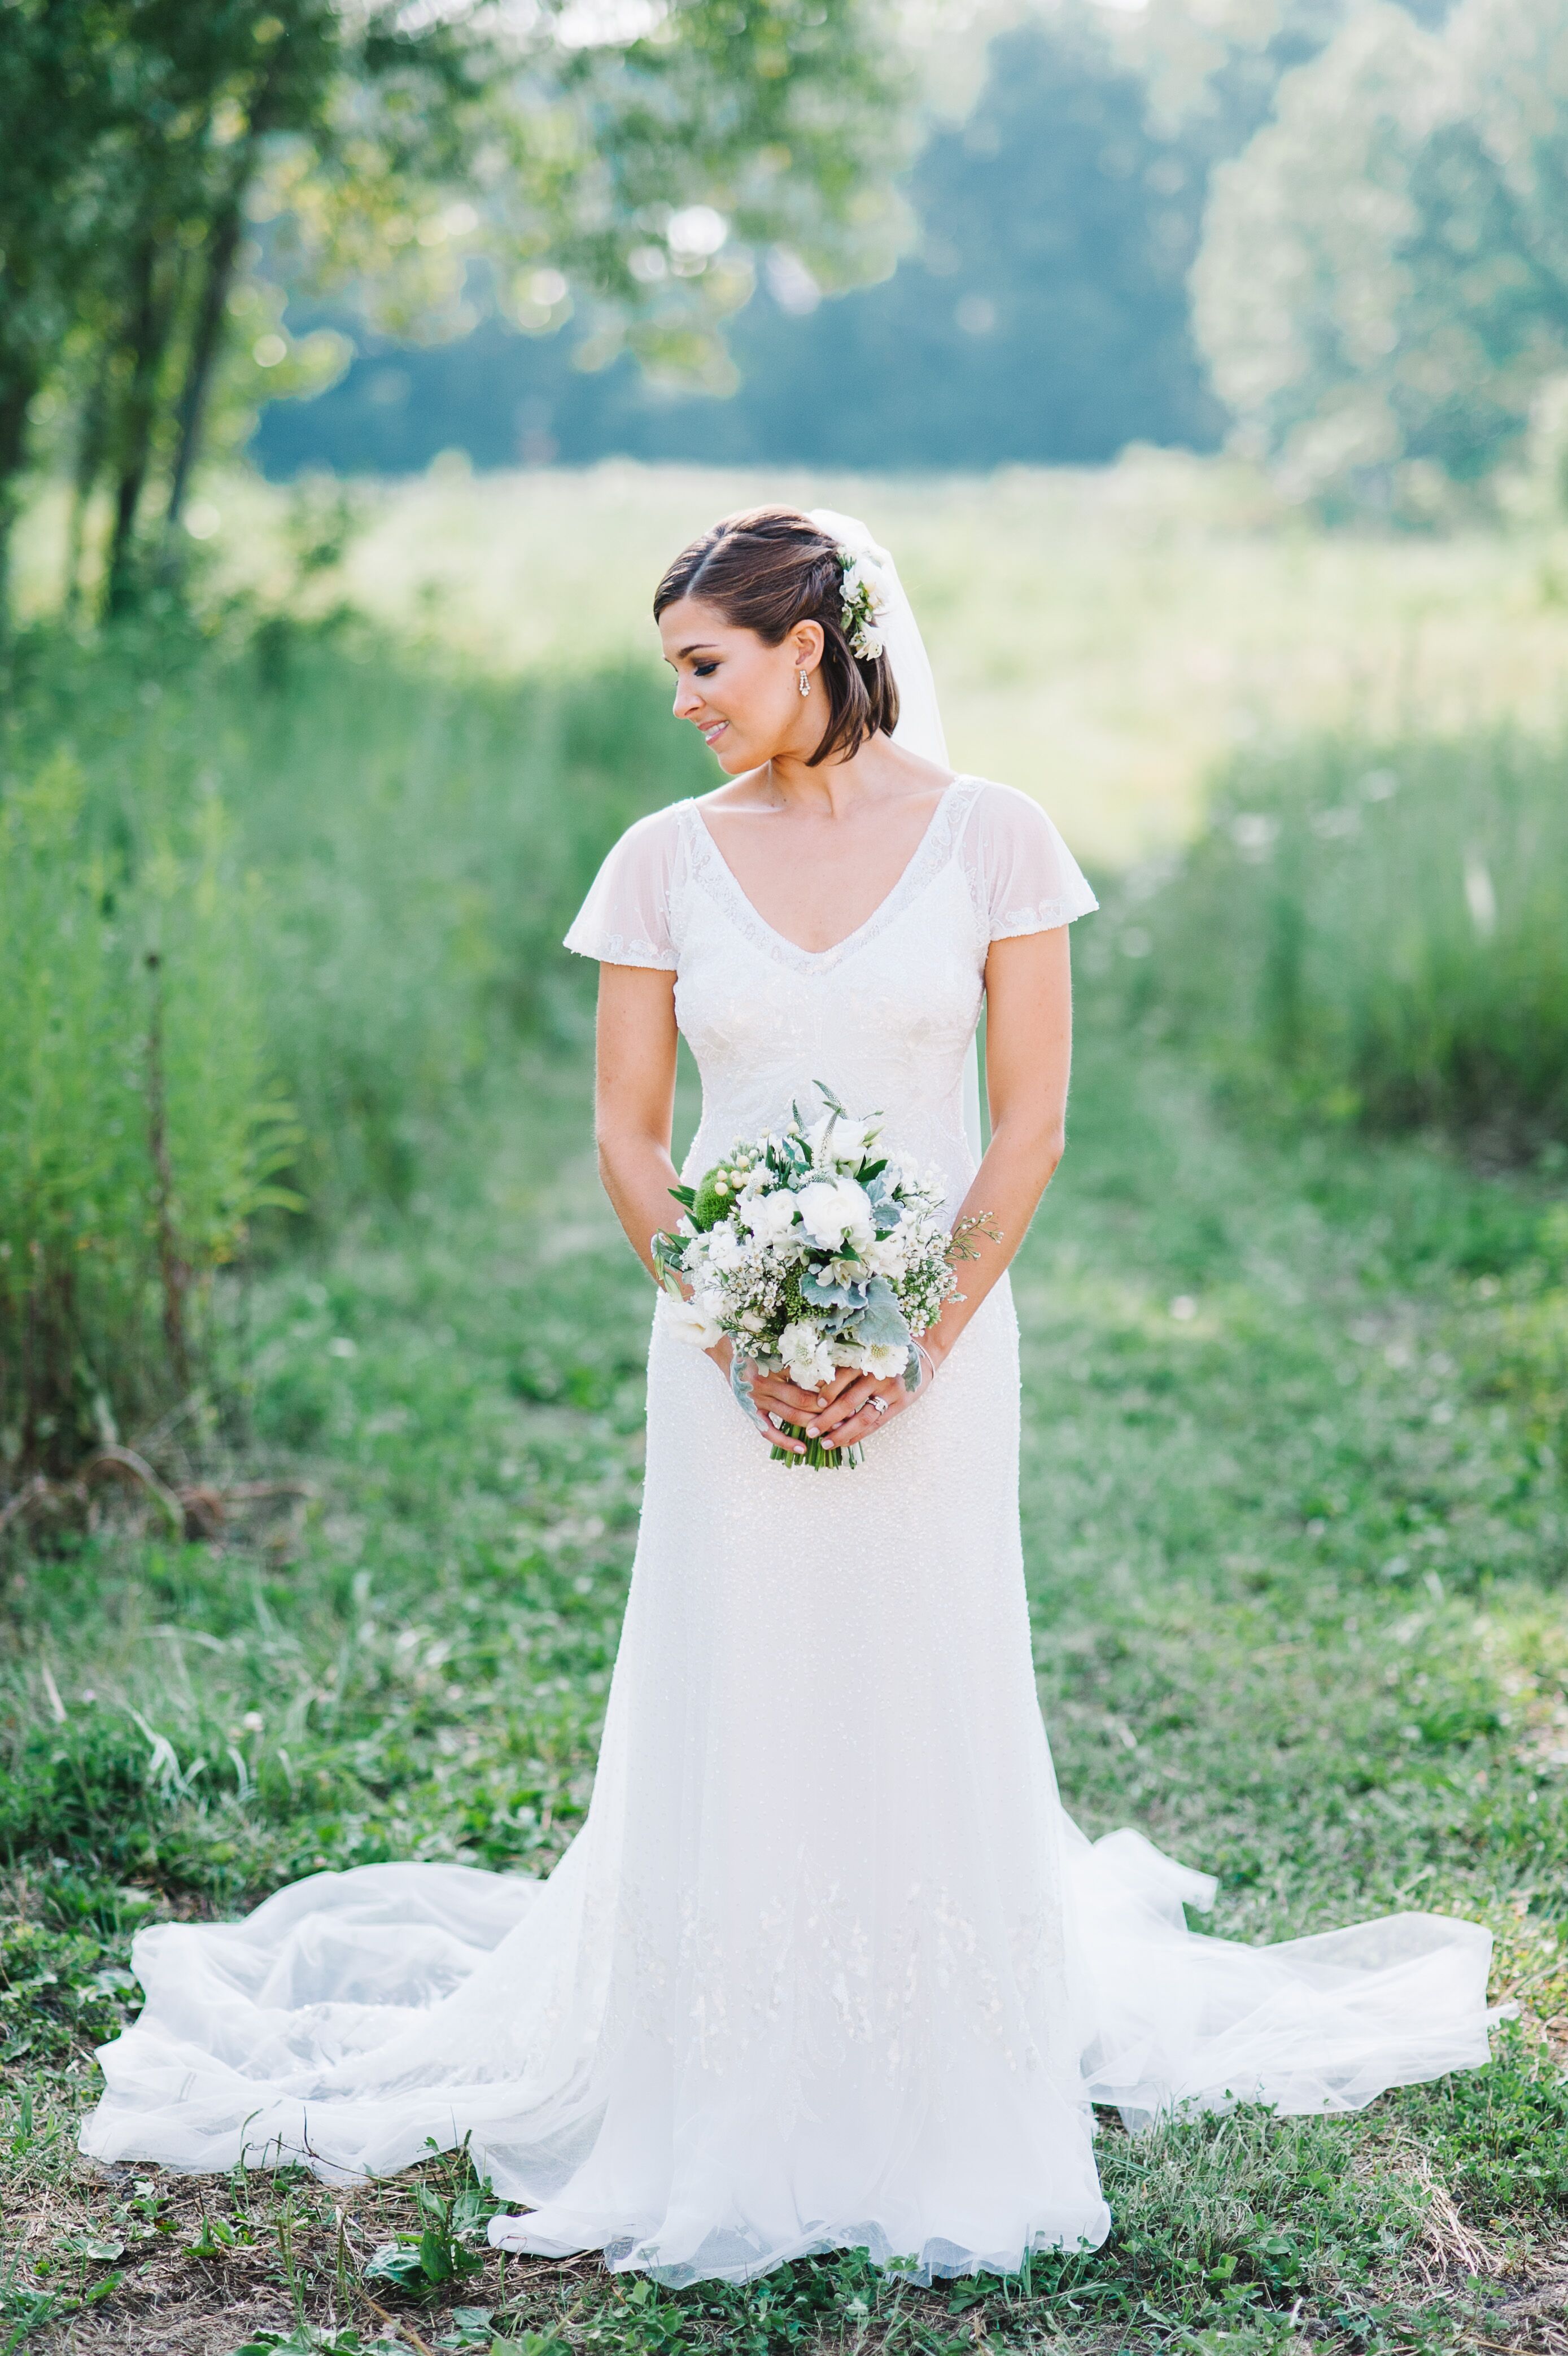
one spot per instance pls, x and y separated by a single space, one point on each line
818 1455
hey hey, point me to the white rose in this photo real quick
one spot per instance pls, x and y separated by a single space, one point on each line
849 1138
806 1355
725 1250
690 1321
835 1211
770 1216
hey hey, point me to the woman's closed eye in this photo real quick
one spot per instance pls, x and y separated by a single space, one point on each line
703 669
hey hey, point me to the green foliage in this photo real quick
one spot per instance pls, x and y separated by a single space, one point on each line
57 1994
1042 313
308 2340
1375 934
139 141
1365 341
446 2248
138 1132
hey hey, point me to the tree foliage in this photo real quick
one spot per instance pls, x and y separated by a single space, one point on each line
1382 287
154 154
1039 314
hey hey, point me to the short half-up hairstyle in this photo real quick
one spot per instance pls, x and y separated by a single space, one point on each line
767 568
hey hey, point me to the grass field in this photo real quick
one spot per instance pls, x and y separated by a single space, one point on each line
1296 1533
1100 638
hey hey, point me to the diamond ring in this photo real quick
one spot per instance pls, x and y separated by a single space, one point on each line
877 1403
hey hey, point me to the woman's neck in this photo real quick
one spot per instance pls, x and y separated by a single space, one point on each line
837 789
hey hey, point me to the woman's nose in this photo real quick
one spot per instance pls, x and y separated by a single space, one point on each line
687 700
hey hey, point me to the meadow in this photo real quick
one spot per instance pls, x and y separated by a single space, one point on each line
1296 1318
1103 636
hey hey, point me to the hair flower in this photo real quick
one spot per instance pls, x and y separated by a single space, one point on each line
864 606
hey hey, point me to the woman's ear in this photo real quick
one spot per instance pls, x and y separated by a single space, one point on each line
807 640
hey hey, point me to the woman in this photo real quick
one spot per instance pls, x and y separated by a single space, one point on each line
827 1964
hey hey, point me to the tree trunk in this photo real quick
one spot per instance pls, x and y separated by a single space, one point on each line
18 383
206 339
149 324
207 336
90 448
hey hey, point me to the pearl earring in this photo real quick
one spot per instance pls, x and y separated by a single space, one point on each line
805 680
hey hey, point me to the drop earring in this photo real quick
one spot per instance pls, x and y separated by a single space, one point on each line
804 677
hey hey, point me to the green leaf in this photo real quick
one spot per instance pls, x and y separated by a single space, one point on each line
399 2263
435 2256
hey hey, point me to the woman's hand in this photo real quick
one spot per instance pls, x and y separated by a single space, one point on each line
847 1414
838 1412
777 1395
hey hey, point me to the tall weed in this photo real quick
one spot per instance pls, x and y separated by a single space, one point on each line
1374 932
137 1129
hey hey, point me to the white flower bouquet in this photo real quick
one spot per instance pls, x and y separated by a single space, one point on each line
812 1249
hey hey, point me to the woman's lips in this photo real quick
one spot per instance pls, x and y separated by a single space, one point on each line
713 730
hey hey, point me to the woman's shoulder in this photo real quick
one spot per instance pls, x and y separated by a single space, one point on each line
1018 863
656 830
996 810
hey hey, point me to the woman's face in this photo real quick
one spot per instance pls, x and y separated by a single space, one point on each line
742 695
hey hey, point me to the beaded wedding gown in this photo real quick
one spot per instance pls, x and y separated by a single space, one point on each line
827 1964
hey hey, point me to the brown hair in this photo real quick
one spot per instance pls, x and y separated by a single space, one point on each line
764 571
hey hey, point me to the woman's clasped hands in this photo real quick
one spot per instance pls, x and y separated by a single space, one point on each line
850 1408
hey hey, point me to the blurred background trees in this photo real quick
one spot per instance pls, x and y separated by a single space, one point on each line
1383 284
1333 228
168 174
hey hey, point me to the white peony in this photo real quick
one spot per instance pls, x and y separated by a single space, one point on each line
770 1216
835 1211
690 1321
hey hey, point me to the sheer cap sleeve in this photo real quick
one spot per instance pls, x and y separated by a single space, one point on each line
1022 875
624 920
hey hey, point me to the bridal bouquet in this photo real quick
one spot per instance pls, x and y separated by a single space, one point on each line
813 1248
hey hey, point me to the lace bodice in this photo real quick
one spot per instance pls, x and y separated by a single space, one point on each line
885 1017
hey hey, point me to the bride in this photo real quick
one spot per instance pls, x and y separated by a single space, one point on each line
827 1964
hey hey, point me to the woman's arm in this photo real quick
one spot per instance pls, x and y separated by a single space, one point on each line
635 1099
1028 1050
634 1108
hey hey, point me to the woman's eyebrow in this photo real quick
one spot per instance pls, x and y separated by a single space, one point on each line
697 647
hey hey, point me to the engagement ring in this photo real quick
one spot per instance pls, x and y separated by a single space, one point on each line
879 1404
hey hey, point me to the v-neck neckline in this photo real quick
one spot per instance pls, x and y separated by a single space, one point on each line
792 950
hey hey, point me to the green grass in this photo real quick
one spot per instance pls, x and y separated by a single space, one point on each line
1372 933
1296 1535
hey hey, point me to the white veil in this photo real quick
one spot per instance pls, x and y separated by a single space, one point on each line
920 728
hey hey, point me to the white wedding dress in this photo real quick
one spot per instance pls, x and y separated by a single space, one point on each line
827 1964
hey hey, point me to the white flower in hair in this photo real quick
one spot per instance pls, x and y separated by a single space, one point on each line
865 602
